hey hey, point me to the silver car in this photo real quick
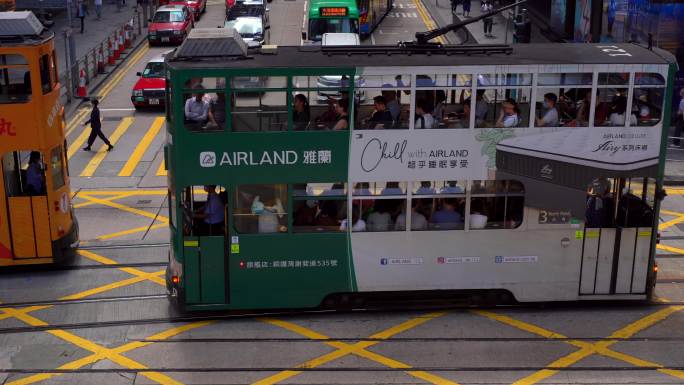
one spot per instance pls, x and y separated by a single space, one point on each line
251 29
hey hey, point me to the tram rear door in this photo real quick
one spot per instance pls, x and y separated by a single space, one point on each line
617 236
27 221
204 245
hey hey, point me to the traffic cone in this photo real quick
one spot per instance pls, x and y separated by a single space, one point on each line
127 36
111 60
121 42
100 62
117 51
82 90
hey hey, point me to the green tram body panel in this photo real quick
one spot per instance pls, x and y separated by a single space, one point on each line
288 269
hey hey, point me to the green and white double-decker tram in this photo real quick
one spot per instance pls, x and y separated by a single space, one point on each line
531 173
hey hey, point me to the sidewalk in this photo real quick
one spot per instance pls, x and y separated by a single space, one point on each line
440 11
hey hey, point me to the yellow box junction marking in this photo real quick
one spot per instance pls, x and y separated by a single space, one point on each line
142 147
587 349
95 161
99 352
358 349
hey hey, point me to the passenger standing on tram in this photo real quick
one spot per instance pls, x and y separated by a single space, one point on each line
381 117
212 214
96 127
35 178
393 105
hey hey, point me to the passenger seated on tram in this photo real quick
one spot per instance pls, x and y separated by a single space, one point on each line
549 113
212 214
439 111
508 117
418 221
478 219
381 217
327 216
584 109
35 178
391 188
618 111
358 224
362 188
301 113
268 214
451 188
342 109
217 112
481 107
597 211
335 190
447 217
393 105
381 117
425 188
196 110
424 118
306 213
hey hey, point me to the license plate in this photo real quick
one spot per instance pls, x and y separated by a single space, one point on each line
165 39
154 101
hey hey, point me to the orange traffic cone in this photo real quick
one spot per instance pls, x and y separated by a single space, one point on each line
111 60
100 62
82 90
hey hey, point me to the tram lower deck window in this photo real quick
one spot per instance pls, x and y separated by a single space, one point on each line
260 209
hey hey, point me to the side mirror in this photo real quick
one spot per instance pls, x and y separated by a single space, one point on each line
138 74
149 20
303 35
267 27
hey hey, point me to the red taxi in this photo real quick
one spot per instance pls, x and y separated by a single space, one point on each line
150 89
170 24
198 7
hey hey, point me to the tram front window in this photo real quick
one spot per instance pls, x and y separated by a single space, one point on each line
317 27
15 79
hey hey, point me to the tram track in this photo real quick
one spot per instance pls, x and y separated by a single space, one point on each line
283 313
59 302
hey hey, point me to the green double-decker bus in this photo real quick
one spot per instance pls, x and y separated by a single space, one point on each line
531 173
343 16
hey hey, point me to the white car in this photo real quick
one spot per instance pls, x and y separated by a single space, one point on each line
251 29
330 39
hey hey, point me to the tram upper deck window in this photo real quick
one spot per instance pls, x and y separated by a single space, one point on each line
205 104
611 106
503 106
316 104
47 71
563 99
647 102
444 100
15 79
383 102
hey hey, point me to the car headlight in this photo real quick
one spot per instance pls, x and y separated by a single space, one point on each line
137 93
177 32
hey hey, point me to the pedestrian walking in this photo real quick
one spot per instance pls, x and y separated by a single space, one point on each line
466 8
98 9
454 5
96 127
488 21
81 13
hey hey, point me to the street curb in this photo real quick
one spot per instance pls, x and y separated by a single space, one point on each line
75 104
673 182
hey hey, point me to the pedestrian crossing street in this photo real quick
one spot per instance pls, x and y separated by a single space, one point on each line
138 140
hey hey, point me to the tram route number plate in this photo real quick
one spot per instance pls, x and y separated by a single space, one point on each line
554 217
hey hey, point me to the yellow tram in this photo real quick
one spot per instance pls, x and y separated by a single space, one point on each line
37 225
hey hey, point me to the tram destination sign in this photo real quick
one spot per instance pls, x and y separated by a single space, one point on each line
333 11
391 155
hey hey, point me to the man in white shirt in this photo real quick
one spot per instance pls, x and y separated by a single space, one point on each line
550 115
418 221
196 109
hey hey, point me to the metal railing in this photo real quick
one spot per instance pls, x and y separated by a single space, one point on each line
98 60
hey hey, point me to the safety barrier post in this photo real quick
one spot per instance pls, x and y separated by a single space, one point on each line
85 66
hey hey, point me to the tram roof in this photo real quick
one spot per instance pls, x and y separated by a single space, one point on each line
375 56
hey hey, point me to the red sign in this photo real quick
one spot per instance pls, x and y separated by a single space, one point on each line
333 11
6 128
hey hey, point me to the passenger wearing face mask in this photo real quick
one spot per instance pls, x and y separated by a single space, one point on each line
549 116
508 117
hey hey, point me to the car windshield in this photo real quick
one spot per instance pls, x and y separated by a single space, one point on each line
154 70
317 27
246 27
168 17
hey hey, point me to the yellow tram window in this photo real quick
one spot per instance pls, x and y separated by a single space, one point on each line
23 173
47 82
57 168
15 79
